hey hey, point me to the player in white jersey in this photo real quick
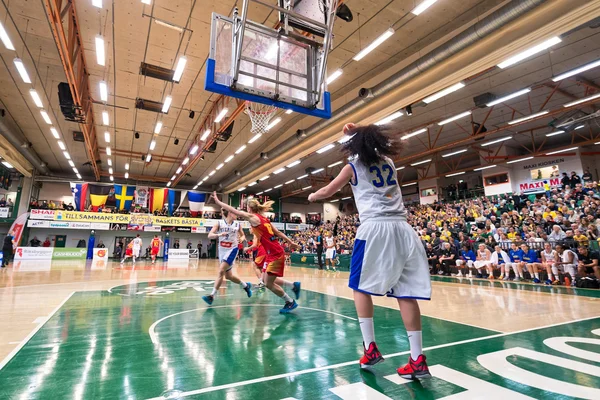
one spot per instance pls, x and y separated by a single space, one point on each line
484 259
567 260
388 258
137 246
229 234
549 259
330 253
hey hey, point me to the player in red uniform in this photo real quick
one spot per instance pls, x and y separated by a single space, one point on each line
268 236
155 247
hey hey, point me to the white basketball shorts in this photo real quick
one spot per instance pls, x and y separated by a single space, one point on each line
228 255
330 254
389 260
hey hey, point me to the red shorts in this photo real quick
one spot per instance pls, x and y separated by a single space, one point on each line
276 266
154 251
128 252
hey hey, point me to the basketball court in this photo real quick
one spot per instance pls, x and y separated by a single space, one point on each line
145 333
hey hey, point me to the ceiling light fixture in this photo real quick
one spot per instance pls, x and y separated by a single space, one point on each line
71 163
529 52
218 167
528 117
456 174
336 74
415 133
173 177
127 166
334 164
259 193
579 127
423 6
109 162
562 151
54 133
496 141
486 167
221 115
212 172
289 111
574 103
278 186
167 104
158 127
61 145
110 170
251 184
126 175
316 171
307 187
264 178
409 184
152 144
229 158
78 176
168 183
454 153
194 149
148 157
242 189
204 136
577 71
238 151
420 162
5 38
105 120
255 138
107 137
22 71
103 91
111 178
400 168
268 190
451 119
519 160
97 3
179 68
344 139
302 177
293 164
278 171
389 118
46 117
273 123
36 98
508 97
108 151
326 148
445 92
100 53
382 38
179 170
67 155
554 133
288 182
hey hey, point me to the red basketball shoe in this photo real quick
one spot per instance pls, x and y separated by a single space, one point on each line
371 357
415 369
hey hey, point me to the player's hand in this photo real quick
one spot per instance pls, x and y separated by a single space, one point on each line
215 198
348 127
312 197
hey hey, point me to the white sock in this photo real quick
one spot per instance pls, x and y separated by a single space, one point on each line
368 330
537 276
286 297
287 284
555 272
243 284
415 339
214 292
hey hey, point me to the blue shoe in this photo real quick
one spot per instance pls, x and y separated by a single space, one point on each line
548 282
536 280
248 289
296 289
208 299
289 307
479 276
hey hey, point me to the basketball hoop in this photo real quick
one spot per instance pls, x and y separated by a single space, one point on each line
260 115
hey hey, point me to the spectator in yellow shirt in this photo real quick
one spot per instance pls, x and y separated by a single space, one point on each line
581 239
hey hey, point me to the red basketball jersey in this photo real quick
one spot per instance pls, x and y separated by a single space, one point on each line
155 242
267 239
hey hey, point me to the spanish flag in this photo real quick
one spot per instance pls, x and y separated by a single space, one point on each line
98 195
158 199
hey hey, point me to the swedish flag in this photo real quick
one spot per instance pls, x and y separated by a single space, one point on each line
124 196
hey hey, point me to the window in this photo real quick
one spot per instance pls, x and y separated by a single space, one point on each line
495 179
428 192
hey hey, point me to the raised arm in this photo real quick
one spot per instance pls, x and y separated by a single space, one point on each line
339 182
253 219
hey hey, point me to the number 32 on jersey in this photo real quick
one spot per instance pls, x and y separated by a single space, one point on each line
379 173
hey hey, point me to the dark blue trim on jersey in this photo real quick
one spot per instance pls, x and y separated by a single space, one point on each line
409 297
356 264
231 257
355 175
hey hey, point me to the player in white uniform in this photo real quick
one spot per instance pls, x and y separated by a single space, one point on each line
484 259
500 260
230 234
388 258
567 260
137 246
549 259
330 253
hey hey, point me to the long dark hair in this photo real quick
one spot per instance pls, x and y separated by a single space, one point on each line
371 144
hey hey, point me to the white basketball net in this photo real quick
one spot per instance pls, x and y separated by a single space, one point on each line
260 115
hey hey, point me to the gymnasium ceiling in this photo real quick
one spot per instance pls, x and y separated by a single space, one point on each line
132 37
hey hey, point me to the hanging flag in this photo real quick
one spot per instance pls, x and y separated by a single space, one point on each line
175 199
141 196
196 201
124 196
158 198
79 191
17 228
98 195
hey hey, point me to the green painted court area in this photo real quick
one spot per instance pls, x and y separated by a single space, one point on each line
160 340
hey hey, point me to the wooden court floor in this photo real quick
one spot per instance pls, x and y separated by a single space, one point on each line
94 331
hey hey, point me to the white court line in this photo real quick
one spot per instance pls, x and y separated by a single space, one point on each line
153 335
40 320
206 281
345 364
33 332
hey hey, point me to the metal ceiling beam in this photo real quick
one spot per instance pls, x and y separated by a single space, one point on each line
137 154
72 57
145 178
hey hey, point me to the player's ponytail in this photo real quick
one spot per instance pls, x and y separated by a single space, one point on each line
255 206
370 144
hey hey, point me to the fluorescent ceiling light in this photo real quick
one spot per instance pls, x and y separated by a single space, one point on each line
242 189
456 174
400 168
46 117
167 104
78 176
268 190
126 175
289 111
445 92
148 157
212 172
229 158
577 71
251 184
218 167
280 170
454 153
180 65
508 97
54 132
100 55
420 162
496 141
152 144
67 155
334 164
22 71
415 133
61 145
127 166
158 127
482 168
335 201
574 103
109 162
112 179
255 138
326 148
204 136
579 127
384 36
307 187
409 184
185 161
110 170
528 117
107 137
389 118
108 151
519 160
561 151
459 116
316 171
173 177
105 120
221 115
554 133
259 193
344 139
423 6
194 149
179 170
6 164
168 183
36 98
5 38
238 151
293 164
168 25
264 178
97 3
302 177
288 182
103 91
273 123
346 198
71 163
530 52
336 74
278 186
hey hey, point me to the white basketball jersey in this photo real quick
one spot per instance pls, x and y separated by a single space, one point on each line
565 257
229 240
329 241
137 242
549 256
376 190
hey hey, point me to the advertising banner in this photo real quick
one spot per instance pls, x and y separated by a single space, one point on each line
296 227
38 224
200 229
149 228
175 221
141 196
183 229
100 254
77 216
278 225
100 226
3 212
141 219
34 253
69 225
69 253
42 214
178 254
538 186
